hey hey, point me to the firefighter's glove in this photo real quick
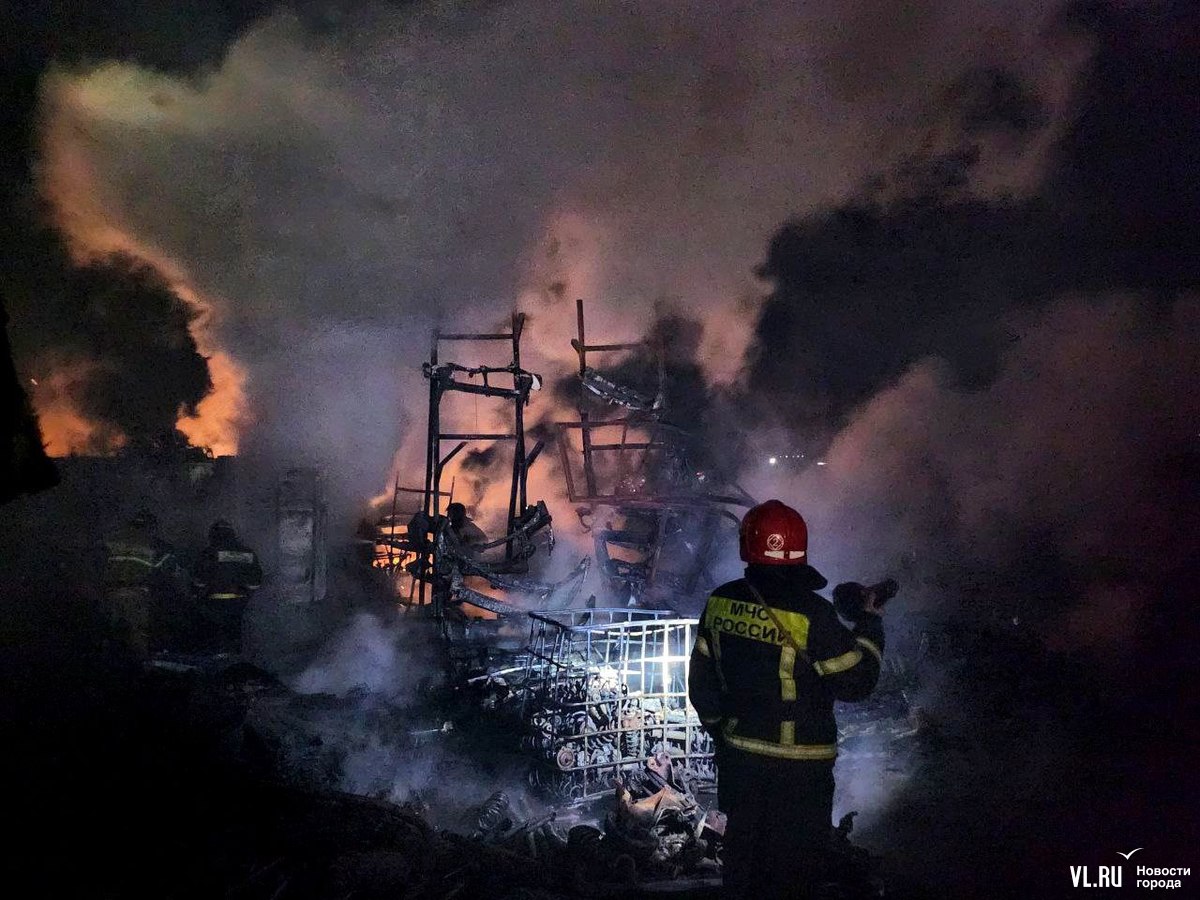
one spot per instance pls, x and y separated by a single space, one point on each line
854 601
872 603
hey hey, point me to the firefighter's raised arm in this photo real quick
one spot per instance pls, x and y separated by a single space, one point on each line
848 661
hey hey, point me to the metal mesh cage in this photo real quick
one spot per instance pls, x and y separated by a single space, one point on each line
606 688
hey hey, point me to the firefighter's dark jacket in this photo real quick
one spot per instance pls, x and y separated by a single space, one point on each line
137 558
227 571
764 676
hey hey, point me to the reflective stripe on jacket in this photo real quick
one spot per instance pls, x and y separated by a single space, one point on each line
227 573
767 668
134 559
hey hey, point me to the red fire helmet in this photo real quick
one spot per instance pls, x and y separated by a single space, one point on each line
774 534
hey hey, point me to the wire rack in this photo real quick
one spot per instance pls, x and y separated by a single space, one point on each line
605 689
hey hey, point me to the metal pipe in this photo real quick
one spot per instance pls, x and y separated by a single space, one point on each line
482 390
432 487
606 348
534 453
392 522
650 445
454 436
408 490
589 472
449 456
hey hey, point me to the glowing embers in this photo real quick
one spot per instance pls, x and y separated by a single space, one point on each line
605 689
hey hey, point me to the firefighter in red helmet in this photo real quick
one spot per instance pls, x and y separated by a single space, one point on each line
770 659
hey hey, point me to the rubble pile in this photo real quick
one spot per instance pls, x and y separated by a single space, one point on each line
275 825
660 824
348 846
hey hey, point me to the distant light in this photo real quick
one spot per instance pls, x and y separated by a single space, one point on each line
772 460
33 381
821 463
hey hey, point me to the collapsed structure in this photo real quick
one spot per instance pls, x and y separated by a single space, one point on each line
654 521
596 688
599 687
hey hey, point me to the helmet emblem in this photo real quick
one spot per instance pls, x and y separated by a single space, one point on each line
775 541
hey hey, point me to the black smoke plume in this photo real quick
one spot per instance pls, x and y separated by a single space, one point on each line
920 265
116 315
128 330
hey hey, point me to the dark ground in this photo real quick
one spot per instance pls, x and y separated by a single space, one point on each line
1029 763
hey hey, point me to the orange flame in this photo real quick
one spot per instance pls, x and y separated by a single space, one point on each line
90 222
64 430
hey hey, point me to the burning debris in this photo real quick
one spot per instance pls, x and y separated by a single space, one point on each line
659 822
598 694
663 520
444 544
597 690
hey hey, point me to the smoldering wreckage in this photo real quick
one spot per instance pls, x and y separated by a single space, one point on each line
575 707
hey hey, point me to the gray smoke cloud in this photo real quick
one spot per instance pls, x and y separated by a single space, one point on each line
996 384
370 656
1058 494
336 191
382 728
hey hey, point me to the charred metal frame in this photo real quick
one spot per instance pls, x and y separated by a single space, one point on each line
631 455
445 377
623 448
582 348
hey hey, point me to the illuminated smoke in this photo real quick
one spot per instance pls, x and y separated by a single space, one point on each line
374 657
450 161
57 399
100 242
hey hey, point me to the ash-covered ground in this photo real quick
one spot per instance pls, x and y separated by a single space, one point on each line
324 765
